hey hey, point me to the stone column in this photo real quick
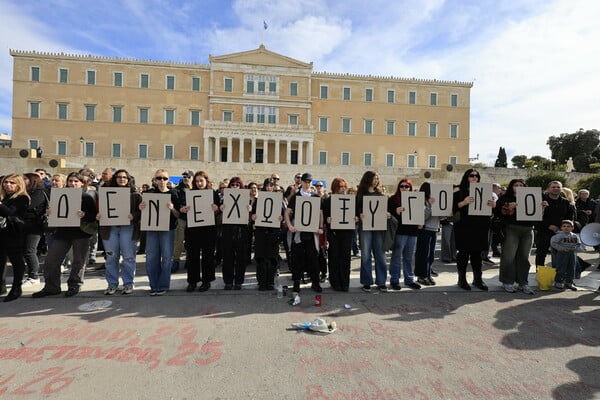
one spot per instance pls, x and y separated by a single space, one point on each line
265 151
288 156
253 155
241 150
218 149
300 158
277 151
309 153
206 149
229 149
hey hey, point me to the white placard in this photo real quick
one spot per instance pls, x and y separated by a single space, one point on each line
268 209
529 203
200 203
375 213
443 194
235 206
414 208
64 204
482 193
343 208
156 214
307 213
114 205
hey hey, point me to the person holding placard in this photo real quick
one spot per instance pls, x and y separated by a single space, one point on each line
518 238
371 241
200 240
122 240
183 186
67 237
159 243
426 239
404 242
471 232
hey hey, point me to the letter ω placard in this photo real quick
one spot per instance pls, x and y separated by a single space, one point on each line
64 204
414 208
529 203
307 213
342 211
443 196
200 203
114 205
156 214
268 209
235 206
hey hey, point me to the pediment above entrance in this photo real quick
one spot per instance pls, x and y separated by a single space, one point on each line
260 56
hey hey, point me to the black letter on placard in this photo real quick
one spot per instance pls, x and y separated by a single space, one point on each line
344 208
373 211
235 206
63 207
443 200
479 198
410 200
528 197
108 209
268 210
197 210
153 204
307 213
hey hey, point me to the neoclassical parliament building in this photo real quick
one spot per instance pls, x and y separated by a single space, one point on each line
255 107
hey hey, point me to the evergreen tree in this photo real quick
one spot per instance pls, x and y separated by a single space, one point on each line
501 160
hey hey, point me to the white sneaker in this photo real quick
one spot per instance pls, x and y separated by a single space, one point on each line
110 290
508 287
526 289
30 282
127 289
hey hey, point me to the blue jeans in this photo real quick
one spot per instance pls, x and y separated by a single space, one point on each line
119 243
159 251
402 253
565 265
372 242
425 253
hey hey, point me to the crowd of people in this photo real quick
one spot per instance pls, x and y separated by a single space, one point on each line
315 257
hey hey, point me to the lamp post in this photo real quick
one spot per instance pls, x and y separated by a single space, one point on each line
81 140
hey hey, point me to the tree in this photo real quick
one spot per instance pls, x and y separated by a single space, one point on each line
580 143
501 160
519 161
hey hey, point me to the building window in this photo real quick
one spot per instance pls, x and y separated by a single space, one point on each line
261 84
260 116
454 100
144 81
273 85
35 74
412 129
272 119
195 83
142 151
170 82
294 89
195 118
433 129
368 126
116 150
412 97
168 151
90 112
322 158
369 94
411 161
91 77
63 111
228 85
63 75
34 109
346 125
367 159
389 160
169 117
345 158
433 99
390 127
89 149
346 93
323 124
432 161
61 148
454 131
194 153
258 156
118 79
144 115
453 160
249 114
293 119
34 143
249 84
391 96
227 116
294 157
117 113
324 92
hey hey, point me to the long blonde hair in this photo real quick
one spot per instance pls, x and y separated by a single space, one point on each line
21 189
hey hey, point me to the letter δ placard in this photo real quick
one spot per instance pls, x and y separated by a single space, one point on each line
481 192
414 208
235 206
114 205
529 203
307 213
375 213
156 215
268 209
200 212
64 204
443 194
342 211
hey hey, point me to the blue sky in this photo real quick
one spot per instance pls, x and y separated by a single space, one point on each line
534 63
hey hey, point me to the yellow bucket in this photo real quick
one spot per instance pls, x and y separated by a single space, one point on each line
545 277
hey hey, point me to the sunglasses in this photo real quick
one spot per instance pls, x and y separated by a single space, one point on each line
161 178
297 177
404 186
275 179
474 176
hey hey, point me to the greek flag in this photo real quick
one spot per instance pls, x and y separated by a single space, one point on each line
265 25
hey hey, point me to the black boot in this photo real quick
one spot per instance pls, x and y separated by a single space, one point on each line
14 294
